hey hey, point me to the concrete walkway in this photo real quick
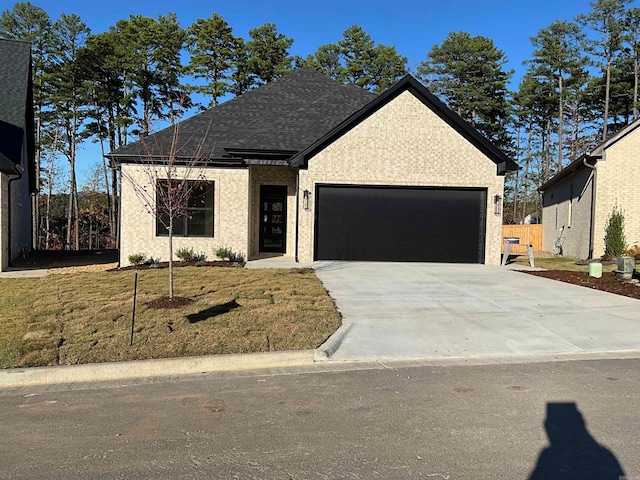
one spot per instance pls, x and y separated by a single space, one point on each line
418 310
14 272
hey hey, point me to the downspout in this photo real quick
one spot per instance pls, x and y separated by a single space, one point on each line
18 172
593 203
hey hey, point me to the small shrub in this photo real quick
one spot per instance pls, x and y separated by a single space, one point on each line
137 258
188 255
185 254
614 239
224 253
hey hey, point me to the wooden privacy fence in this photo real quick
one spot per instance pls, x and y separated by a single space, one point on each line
528 234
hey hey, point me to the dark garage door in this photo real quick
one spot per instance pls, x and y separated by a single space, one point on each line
401 224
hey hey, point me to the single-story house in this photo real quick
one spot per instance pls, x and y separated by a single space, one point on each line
312 169
17 160
577 202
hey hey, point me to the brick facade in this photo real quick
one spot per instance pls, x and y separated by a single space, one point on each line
568 200
231 207
617 184
403 143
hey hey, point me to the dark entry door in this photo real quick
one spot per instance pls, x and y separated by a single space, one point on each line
273 218
406 224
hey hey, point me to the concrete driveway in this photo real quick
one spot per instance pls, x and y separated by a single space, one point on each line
419 310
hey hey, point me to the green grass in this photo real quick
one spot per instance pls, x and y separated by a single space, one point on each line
558 263
86 317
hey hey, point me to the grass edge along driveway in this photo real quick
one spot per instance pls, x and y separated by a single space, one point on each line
86 317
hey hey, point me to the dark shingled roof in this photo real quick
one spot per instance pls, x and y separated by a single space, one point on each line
268 124
16 104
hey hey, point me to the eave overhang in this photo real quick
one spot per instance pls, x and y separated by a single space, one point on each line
570 169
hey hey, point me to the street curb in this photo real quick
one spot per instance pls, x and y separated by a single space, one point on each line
325 351
96 372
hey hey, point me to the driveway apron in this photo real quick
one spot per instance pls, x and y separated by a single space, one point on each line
428 310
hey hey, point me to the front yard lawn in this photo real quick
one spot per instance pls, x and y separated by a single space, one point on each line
86 317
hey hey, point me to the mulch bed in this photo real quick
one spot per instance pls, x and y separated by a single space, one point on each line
166 302
608 282
147 266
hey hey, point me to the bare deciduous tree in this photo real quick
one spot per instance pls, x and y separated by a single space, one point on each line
171 183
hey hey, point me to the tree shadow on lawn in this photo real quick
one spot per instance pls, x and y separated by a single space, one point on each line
212 312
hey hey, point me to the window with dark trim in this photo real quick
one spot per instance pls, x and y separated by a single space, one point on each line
195 218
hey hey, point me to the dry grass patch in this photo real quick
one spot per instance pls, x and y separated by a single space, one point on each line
86 317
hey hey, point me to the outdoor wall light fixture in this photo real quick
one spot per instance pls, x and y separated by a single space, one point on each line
305 199
497 205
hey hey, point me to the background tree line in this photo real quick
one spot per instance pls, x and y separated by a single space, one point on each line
579 86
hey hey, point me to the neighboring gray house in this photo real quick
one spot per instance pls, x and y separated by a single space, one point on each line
577 201
16 150
311 169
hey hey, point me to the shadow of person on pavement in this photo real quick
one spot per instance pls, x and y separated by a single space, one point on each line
573 453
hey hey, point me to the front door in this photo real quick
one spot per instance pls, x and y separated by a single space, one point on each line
273 218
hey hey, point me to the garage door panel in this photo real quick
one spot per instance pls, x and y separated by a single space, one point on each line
400 224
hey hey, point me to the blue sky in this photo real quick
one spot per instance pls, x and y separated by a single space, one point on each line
412 26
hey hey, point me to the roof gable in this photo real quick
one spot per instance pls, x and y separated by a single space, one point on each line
596 154
280 118
408 83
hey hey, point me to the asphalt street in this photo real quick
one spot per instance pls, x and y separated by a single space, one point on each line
570 420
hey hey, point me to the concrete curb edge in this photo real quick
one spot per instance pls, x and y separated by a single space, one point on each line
325 351
96 372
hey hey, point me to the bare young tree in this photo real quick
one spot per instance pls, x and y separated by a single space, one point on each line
171 184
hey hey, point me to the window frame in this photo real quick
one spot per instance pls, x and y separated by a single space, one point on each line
162 231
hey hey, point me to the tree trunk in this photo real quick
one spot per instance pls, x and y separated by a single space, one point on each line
48 212
171 255
606 101
560 125
526 174
69 213
104 164
36 203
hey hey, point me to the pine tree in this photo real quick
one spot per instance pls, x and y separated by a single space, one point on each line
607 20
213 50
468 74
268 53
558 59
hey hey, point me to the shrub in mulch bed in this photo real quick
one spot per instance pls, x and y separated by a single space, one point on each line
147 266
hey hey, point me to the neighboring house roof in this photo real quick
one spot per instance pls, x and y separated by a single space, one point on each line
592 158
408 83
288 121
16 105
577 165
267 124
